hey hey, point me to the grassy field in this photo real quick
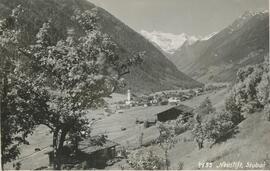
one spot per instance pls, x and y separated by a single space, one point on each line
29 158
110 125
251 144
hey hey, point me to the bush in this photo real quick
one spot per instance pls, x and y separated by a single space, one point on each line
251 91
267 112
180 129
263 88
234 109
205 108
217 125
210 125
164 102
210 87
267 162
181 124
180 165
141 160
199 132
213 127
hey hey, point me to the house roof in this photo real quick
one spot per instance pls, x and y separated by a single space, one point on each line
87 145
184 108
179 107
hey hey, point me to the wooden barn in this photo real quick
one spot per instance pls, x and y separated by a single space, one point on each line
89 154
174 112
96 156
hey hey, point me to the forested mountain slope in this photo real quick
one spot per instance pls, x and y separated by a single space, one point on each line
156 72
244 42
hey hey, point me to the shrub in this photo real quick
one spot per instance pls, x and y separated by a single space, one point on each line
267 162
209 87
251 91
164 102
205 108
234 109
210 125
217 125
199 132
141 160
180 129
263 88
267 112
212 128
180 165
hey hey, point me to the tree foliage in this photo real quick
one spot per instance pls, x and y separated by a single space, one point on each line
198 131
16 114
251 91
141 160
63 79
166 139
234 109
205 108
217 125
75 74
263 88
212 125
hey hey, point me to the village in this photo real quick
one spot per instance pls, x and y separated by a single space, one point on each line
125 124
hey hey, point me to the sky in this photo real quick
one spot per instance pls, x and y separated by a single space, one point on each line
194 17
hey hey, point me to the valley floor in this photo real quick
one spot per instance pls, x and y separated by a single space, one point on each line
253 138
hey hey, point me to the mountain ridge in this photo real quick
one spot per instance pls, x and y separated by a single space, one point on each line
243 42
155 74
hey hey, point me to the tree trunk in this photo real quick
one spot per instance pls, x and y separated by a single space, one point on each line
59 150
3 112
200 144
55 151
166 159
62 140
76 144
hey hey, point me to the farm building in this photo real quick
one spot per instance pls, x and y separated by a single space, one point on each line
90 154
150 122
96 156
174 112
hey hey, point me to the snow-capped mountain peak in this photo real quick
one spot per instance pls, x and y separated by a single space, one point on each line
168 42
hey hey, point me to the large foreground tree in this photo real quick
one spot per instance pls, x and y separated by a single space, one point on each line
16 115
71 76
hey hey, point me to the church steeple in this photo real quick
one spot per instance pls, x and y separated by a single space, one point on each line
128 102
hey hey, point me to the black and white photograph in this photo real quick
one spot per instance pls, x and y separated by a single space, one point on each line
134 85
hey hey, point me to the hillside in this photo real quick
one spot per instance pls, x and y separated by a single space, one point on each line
244 42
111 125
156 72
253 138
